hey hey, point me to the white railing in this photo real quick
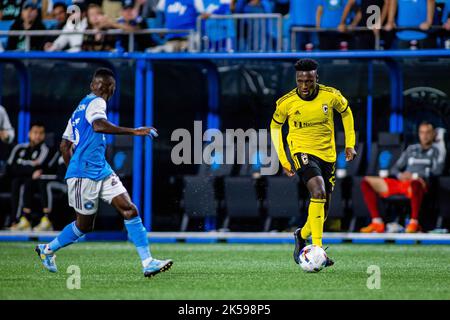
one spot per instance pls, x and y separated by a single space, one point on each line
295 30
240 33
116 32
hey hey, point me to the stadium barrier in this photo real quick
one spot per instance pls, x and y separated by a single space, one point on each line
224 33
240 33
296 30
115 32
144 94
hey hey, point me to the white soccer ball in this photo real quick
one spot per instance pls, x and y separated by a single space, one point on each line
312 258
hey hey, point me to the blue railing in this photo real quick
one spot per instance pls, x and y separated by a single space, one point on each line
143 164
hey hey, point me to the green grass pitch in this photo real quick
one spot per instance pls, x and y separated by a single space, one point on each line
111 270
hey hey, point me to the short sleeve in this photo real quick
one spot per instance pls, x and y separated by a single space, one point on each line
68 133
280 113
340 102
199 6
161 5
96 110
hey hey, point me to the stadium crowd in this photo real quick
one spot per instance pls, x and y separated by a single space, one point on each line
343 24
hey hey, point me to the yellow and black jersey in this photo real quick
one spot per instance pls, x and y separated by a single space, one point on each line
311 124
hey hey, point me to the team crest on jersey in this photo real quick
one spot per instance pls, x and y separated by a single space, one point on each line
325 108
304 158
89 205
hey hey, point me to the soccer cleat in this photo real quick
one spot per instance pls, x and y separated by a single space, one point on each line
300 243
412 227
48 260
23 225
373 227
329 262
44 225
156 266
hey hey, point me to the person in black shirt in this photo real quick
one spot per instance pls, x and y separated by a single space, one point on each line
130 18
364 39
24 167
29 20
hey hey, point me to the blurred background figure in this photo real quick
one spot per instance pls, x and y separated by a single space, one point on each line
25 167
131 20
253 6
10 9
98 21
328 16
409 176
59 14
363 39
181 15
302 13
77 21
415 14
6 130
29 20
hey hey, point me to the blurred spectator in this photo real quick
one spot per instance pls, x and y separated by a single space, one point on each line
253 6
24 167
282 7
132 21
409 176
146 8
414 14
10 9
6 130
98 21
6 138
29 20
111 8
328 15
445 34
181 15
302 13
219 32
59 14
364 39
77 21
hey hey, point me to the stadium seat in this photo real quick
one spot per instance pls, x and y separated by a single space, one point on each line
198 199
241 200
384 154
282 200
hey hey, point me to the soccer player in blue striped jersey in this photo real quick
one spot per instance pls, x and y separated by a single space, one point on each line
90 178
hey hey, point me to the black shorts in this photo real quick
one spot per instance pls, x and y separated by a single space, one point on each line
309 166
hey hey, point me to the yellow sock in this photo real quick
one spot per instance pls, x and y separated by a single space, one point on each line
316 213
306 230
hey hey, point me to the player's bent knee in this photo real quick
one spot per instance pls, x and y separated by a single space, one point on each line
319 194
130 212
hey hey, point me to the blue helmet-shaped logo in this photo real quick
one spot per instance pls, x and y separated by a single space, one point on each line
384 160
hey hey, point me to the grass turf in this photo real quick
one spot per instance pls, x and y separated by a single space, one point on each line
111 270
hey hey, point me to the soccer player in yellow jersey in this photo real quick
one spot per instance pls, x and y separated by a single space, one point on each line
309 110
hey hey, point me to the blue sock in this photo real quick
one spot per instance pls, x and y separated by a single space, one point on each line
69 235
138 235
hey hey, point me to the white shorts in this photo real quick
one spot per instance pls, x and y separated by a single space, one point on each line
84 193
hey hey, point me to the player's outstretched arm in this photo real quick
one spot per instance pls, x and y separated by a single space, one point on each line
104 126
